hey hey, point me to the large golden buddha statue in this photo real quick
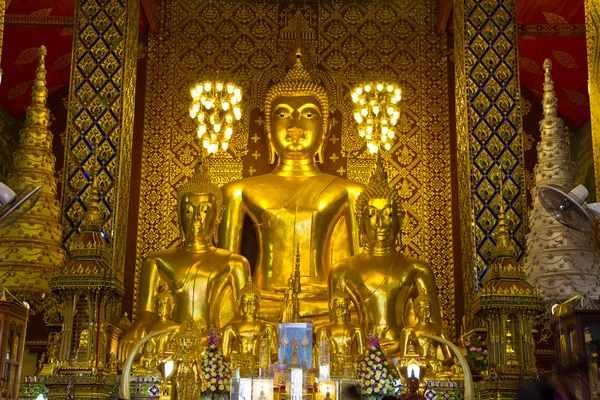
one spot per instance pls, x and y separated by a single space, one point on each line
296 204
204 280
381 280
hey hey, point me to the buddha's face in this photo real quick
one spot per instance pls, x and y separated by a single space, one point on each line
380 222
163 307
198 215
249 305
339 307
423 309
296 127
413 385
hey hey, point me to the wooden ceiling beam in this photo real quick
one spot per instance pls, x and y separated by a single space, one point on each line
443 16
150 8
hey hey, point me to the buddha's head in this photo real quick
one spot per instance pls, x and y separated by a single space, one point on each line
164 304
249 299
422 306
379 210
339 304
200 207
413 384
297 113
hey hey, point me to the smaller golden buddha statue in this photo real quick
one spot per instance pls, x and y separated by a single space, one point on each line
291 302
81 354
425 348
342 335
295 357
245 334
164 310
204 280
148 361
51 361
380 280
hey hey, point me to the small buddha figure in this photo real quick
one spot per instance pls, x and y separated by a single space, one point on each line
295 357
205 280
82 347
426 348
149 360
164 310
296 204
246 333
511 354
342 335
412 385
380 280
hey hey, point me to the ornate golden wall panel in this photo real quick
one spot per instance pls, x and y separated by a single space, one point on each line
592 33
346 43
101 110
489 129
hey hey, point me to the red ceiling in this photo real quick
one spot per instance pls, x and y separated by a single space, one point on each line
567 53
19 51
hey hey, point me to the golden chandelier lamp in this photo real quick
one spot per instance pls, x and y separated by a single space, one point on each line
377 111
216 108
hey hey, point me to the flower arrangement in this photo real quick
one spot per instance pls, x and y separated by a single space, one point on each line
216 371
374 372
477 353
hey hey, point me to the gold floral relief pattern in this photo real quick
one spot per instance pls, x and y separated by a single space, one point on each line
345 43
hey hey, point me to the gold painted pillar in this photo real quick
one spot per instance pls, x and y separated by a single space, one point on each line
489 131
592 33
101 109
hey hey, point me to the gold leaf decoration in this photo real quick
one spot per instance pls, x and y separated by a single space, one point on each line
61 62
66 32
554 18
531 66
41 13
27 56
565 59
19 90
577 98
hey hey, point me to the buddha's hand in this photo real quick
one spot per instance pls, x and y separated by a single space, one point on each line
129 339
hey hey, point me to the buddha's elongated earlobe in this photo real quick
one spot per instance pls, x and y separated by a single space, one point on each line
321 151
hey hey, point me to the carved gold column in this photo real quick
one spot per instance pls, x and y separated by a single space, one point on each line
592 33
489 131
101 109
31 248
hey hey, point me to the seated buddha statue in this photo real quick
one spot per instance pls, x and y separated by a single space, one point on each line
295 204
342 335
426 348
204 280
164 310
246 333
380 280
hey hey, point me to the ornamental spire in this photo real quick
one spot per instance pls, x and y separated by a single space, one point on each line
504 246
549 101
31 247
561 262
39 92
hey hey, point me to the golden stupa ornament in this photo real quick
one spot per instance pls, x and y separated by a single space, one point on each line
31 248
216 108
377 111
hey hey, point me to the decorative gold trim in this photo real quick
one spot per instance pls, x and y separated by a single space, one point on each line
592 25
